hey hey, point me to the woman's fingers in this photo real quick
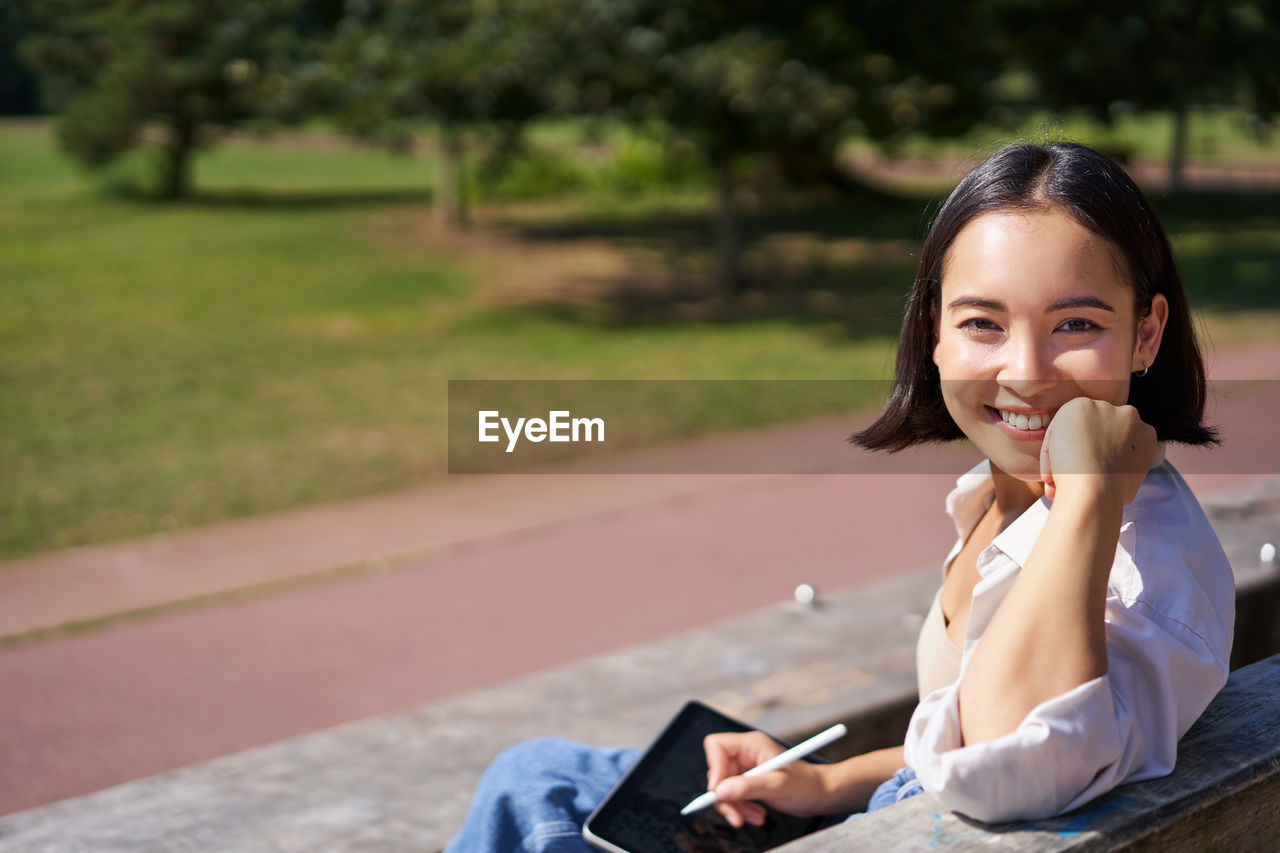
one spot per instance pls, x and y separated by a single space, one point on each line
743 797
737 802
742 812
1046 467
1092 438
717 759
751 787
731 753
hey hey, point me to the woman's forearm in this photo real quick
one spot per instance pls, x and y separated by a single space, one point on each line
1048 635
850 783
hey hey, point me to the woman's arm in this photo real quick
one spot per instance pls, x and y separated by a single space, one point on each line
1167 638
853 781
1049 636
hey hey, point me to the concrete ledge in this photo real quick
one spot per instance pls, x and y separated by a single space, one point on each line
1222 795
403 782
1245 518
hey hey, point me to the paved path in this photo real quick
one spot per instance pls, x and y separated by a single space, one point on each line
244 633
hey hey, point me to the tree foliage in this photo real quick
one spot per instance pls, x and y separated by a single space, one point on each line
1155 53
754 81
456 63
1150 54
18 85
747 82
116 70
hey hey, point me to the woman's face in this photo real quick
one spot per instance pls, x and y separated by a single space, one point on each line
1035 311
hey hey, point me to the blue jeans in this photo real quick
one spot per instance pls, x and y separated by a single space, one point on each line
898 787
535 797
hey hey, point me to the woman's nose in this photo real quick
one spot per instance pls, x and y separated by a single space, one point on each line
1028 367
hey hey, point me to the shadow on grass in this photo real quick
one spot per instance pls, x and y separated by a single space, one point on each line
866 213
837 296
1230 252
286 200
1225 211
869 306
841 263
844 264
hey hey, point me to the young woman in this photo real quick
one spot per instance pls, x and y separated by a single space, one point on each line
1085 615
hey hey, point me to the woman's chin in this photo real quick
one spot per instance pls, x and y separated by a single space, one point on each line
1011 452
1017 465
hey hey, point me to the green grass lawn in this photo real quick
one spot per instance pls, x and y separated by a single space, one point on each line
165 366
287 338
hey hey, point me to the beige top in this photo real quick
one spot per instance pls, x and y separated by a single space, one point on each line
937 658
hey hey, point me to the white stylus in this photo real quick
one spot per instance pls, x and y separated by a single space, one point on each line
795 753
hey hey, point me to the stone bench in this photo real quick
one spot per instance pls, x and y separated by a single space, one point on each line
404 781
1224 794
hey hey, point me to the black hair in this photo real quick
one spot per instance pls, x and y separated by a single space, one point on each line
1097 194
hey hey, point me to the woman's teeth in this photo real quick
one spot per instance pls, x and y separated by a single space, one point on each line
1028 422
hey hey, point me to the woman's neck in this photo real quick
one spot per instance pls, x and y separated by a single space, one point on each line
1013 496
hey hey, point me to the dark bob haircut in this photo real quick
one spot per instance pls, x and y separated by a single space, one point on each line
1097 194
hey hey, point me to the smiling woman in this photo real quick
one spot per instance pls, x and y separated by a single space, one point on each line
1085 614
1088 596
1118 238
1036 311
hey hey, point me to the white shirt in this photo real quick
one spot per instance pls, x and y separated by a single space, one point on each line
1169 614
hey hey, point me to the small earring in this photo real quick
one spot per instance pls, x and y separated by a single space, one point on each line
1145 368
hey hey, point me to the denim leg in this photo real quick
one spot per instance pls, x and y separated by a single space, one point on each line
898 787
535 797
901 785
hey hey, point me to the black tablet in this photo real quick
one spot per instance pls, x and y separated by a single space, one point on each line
642 813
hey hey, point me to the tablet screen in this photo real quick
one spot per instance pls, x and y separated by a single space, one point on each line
642 814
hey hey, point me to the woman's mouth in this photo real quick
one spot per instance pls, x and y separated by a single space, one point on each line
1023 424
1038 420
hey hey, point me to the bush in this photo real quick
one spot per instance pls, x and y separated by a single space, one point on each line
631 165
531 175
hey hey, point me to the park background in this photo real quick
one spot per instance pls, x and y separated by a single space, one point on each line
244 246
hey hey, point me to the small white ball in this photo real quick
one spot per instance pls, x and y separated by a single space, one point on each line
1268 554
806 594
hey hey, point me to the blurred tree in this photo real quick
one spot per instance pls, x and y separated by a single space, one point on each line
753 81
919 66
461 64
727 77
19 93
113 69
743 96
1152 54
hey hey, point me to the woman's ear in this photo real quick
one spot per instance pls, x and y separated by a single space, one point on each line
1150 333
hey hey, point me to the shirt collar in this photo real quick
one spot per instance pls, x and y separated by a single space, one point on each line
973 494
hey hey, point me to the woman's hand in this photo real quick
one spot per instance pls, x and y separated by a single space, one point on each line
1094 443
798 789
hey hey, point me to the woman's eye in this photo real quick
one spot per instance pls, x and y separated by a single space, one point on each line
979 324
1078 325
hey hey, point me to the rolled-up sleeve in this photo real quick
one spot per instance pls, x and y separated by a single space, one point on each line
1123 726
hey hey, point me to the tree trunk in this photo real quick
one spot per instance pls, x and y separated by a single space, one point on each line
450 209
728 243
1178 157
175 167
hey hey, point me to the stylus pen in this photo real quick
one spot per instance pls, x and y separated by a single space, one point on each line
795 753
